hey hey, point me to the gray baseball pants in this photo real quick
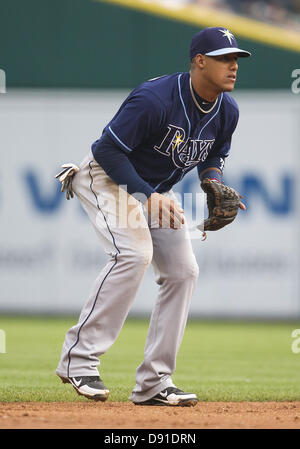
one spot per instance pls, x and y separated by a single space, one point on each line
131 244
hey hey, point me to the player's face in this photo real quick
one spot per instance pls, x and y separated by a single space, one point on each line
221 71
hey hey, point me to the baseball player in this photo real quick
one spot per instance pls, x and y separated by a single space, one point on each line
166 127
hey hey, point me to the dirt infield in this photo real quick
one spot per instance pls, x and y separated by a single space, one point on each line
124 415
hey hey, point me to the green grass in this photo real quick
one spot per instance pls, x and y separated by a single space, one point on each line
220 361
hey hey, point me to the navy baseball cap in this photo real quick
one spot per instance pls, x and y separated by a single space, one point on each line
215 41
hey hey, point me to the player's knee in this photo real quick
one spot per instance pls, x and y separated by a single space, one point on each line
140 257
191 271
187 272
144 257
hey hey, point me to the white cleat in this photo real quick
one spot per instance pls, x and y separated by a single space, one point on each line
172 396
91 387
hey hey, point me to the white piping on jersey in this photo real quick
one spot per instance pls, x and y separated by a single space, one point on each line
120 141
179 90
189 123
203 129
165 180
212 116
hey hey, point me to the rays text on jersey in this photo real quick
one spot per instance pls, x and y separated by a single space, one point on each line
185 153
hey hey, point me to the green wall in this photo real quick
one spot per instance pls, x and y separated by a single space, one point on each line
83 43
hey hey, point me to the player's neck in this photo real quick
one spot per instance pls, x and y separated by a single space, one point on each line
204 89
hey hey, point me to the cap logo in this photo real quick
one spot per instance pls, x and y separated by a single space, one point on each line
226 33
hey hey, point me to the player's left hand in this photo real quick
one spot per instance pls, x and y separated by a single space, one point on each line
66 177
223 203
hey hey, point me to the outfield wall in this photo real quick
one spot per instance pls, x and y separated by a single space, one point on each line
88 43
49 253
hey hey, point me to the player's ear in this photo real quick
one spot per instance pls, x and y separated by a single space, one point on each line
200 60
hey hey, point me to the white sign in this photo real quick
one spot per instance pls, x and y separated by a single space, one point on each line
49 252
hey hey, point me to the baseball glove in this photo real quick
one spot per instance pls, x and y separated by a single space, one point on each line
66 177
223 203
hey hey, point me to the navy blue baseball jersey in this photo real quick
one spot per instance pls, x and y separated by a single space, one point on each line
165 135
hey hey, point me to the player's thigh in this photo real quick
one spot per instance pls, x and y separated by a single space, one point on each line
173 255
116 216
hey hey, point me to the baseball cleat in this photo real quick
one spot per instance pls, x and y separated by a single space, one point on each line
91 387
172 396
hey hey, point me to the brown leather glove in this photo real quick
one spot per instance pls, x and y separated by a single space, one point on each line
223 204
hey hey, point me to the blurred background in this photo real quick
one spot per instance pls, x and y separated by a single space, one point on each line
68 65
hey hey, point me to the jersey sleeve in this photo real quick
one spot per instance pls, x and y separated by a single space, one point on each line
140 117
118 167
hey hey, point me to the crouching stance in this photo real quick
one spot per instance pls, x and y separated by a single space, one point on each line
165 127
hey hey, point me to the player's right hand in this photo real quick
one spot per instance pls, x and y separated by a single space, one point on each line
165 211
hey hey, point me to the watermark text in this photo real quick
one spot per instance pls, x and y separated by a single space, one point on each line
296 342
296 83
120 210
2 82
